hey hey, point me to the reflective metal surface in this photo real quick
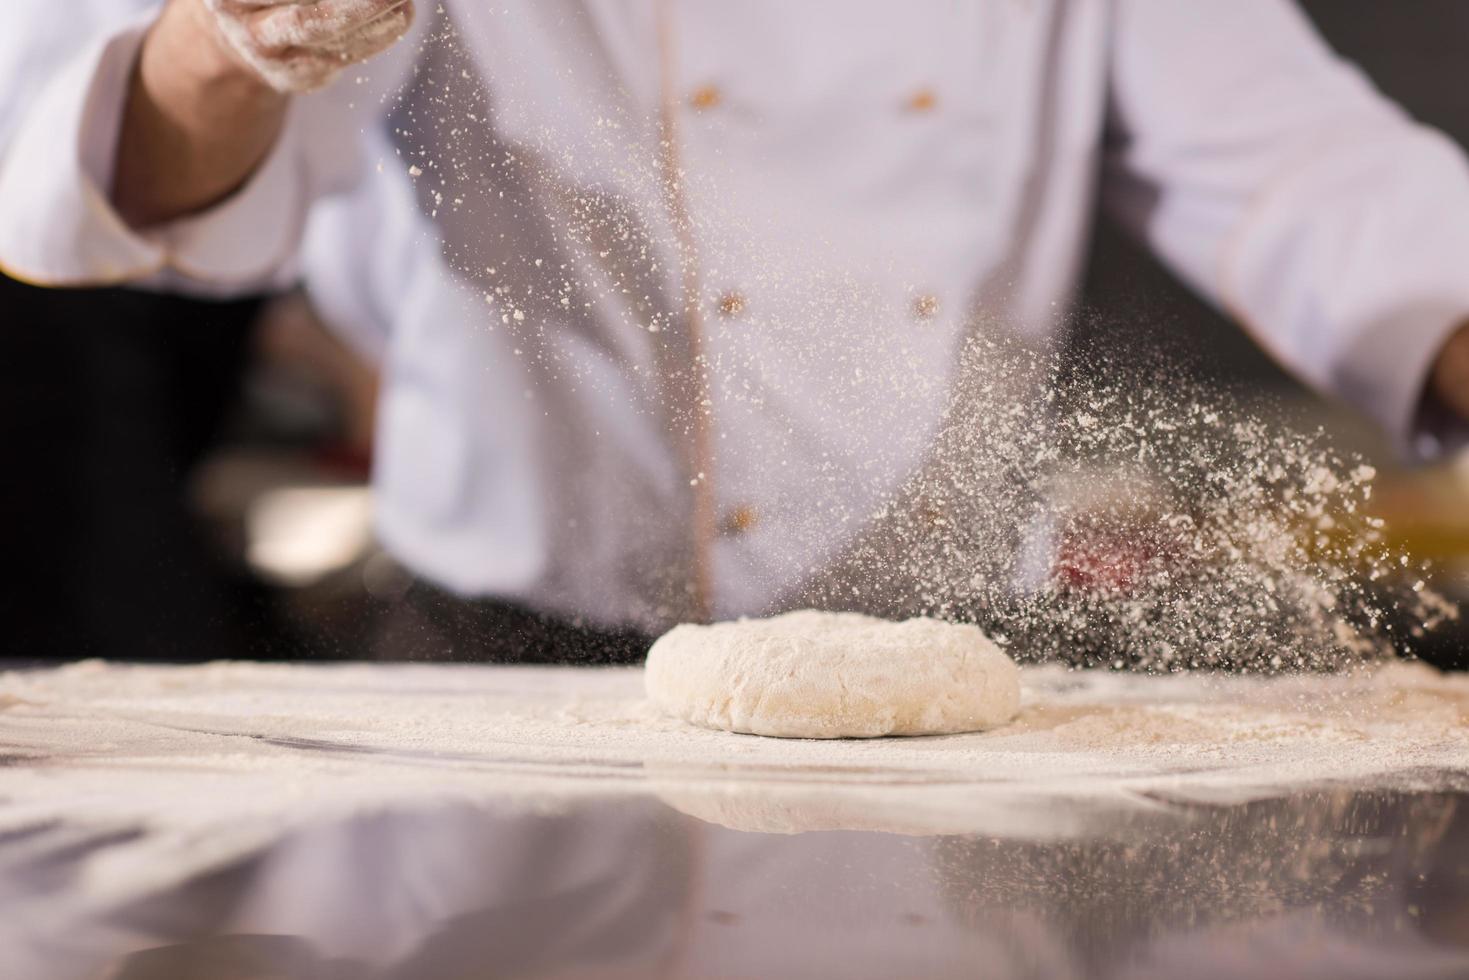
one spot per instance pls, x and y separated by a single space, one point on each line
1331 883
233 821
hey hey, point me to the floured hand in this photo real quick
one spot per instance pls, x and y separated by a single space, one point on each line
301 45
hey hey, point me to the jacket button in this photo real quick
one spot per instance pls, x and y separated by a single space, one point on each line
739 520
705 97
923 100
926 307
731 304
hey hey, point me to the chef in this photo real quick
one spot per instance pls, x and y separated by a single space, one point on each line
671 296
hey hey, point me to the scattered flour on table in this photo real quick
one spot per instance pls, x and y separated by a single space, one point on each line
211 761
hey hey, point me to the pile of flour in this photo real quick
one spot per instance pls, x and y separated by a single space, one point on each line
199 765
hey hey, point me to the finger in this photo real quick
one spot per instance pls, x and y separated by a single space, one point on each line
285 26
377 35
239 8
301 71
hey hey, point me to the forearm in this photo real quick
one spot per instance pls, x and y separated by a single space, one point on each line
197 123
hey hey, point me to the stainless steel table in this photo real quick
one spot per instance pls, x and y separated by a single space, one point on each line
234 821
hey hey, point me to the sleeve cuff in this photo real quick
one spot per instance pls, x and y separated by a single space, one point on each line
1386 370
58 227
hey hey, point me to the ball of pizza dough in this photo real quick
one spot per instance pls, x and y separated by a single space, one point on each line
811 674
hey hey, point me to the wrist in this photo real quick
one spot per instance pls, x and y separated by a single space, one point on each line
185 52
197 122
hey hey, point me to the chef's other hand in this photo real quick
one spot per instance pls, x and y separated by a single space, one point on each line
301 45
1448 381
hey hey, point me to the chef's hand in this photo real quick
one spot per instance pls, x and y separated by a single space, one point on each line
1448 381
209 92
301 45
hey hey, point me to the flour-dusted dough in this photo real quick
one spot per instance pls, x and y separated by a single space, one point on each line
812 674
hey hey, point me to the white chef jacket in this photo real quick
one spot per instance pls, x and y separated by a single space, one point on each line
527 207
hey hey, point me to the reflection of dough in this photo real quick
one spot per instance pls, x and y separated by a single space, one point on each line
798 808
814 674
767 810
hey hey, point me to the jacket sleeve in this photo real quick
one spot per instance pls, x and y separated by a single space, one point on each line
57 226
1271 176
